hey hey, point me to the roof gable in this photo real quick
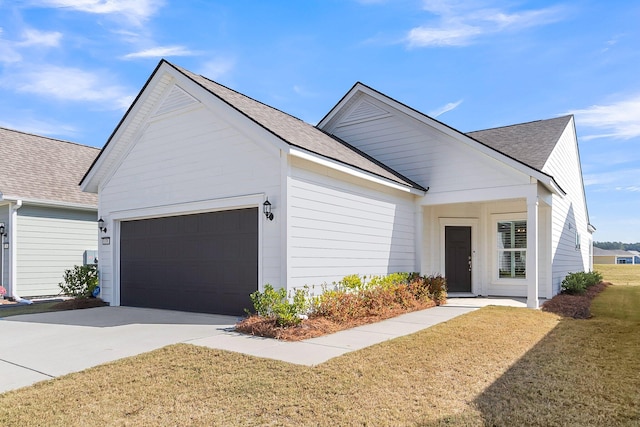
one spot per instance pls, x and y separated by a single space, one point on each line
335 117
37 168
290 130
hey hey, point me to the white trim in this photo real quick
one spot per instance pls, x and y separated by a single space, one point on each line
495 277
52 203
475 266
114 220
333 164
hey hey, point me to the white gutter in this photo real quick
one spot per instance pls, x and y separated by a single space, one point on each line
13 251
352 171
54 203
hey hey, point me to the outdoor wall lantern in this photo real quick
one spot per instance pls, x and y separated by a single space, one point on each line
266 210
101 225
3 230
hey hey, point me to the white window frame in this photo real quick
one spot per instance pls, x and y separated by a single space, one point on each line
495 219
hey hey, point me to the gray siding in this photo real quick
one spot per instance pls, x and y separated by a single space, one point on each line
4 277
51 240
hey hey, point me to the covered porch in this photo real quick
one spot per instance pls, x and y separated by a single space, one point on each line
490 242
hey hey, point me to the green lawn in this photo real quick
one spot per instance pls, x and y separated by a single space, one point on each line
496 366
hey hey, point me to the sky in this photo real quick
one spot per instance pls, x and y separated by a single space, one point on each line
69 69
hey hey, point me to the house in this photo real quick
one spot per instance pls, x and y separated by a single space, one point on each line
207 195
613 256
46 222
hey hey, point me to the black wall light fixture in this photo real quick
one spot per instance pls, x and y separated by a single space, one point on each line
266 210
101 225
3 230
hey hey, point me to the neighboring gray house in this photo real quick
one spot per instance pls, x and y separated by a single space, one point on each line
614 256
48 222
376 187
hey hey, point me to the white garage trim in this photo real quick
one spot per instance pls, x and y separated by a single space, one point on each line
203 206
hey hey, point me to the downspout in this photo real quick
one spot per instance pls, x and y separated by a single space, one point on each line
13 251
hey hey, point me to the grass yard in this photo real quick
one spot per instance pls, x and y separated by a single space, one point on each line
17 309
496 366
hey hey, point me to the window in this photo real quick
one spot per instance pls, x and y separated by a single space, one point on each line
512 249
578 240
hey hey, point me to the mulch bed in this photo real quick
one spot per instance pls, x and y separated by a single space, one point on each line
576 306
317 325
78 303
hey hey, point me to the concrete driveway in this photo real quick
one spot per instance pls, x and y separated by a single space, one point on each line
38 347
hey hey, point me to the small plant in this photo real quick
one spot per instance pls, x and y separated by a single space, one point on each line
3 292
80 281
352 282
577 283
275 304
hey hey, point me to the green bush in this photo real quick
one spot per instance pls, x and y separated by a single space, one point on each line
352 282
80 281
276 304
577 283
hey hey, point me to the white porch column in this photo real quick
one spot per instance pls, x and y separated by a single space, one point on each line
532 251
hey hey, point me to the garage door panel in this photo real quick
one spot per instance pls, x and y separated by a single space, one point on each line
204 262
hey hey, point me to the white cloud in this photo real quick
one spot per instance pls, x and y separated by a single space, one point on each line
217 68
461 23
618 120
33 37
447 107
632 188
137 11
70 84
160 51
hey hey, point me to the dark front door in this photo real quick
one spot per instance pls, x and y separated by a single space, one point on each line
457 262
204 262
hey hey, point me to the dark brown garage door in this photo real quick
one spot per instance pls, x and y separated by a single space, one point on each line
205 263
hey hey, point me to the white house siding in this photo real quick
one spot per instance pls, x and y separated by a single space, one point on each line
192 157
482 216
340 225
569 212
50 241
421 152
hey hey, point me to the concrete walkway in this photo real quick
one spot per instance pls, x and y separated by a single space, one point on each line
38 347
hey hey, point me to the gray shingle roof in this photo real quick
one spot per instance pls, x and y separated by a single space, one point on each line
296 132
531 143
39 168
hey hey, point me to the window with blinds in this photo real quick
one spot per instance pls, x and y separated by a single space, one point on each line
512 249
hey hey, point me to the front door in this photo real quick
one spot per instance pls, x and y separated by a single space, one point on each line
457 261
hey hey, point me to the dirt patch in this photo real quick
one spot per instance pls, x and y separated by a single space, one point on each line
576 306
317 325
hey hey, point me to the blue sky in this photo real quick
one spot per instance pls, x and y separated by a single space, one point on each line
69 69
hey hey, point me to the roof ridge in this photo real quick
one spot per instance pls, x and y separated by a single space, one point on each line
47 137
520 124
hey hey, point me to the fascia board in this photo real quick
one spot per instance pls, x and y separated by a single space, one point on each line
350 170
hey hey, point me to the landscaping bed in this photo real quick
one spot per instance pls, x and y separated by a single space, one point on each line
578 290
352 302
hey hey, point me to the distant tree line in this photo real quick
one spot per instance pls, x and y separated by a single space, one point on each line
618 245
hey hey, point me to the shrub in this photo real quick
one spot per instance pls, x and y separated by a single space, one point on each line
80 281
352 282
437 286
577 283
389 280
275 304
